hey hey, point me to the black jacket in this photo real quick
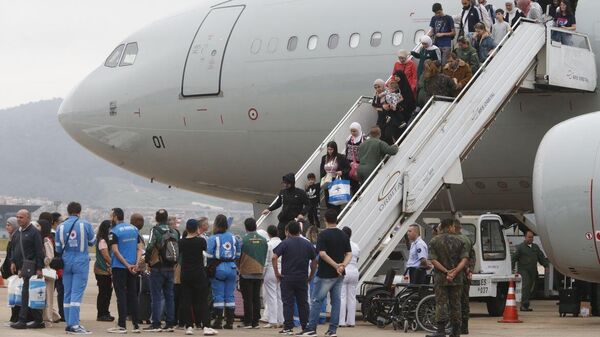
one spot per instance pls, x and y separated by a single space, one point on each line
293 201
343 165
512 19
32 247
472 20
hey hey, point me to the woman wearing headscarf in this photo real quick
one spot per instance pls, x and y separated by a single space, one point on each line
11 227
409 102
406 65
428 52
335 165
378 100
352 143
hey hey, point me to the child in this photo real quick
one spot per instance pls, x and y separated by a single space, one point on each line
313 190
392 96
500 28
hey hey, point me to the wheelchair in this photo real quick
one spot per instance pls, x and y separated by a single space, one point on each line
406 307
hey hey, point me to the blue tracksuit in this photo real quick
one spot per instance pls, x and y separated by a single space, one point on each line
74 249
226 248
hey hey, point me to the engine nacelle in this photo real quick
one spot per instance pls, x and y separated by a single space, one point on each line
566 196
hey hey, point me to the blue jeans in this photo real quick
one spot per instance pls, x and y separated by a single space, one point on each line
161 292
324 286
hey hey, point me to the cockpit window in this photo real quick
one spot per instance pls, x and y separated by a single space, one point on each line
114 57
130 54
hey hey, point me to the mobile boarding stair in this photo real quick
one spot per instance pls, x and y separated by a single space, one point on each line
443 133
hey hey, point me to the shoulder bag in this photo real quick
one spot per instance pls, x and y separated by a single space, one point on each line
57 262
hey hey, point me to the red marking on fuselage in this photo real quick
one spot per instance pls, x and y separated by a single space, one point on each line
592 214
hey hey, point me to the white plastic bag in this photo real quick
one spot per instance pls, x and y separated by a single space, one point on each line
339 192
37 293
15 286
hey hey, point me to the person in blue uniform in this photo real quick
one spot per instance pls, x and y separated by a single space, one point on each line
124 242
222 252
73 237
416 266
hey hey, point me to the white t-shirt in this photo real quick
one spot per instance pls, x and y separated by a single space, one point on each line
499 31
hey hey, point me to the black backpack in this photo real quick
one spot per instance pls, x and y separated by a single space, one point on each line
168 247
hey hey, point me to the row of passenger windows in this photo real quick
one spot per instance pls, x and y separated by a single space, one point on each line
353 40
123 55
334 41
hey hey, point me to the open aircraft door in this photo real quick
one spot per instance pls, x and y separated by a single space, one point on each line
570 61
204 62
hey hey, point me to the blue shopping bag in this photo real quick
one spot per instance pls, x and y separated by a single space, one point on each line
339 192
37 293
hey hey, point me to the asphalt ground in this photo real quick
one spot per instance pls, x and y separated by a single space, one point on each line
543 321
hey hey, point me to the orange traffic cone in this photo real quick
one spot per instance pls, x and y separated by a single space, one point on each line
510 310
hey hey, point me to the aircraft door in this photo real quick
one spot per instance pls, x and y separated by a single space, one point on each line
204 63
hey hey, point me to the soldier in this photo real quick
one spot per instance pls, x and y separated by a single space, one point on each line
449 256
527 256
464 303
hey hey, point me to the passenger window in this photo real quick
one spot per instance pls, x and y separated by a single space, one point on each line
113 59
418 35
334 39
354 40
292 43
312 42
492 241
272 46
470 231
376 39
397 38
130 54
256 45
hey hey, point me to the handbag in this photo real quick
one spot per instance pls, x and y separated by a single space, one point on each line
28 268
339 192
211 268
326 180
57 262
5 269
353 170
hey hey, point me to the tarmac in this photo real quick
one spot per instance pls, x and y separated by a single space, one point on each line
543 321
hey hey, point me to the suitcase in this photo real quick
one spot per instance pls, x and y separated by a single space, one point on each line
144 301
568 300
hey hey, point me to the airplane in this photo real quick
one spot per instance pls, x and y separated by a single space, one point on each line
226 98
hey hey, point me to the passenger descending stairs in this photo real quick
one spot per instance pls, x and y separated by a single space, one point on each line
431 149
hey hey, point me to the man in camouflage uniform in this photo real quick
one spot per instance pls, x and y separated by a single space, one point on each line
464 303
527 256
449 256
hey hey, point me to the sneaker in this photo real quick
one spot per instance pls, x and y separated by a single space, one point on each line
256 326
243 326
117 329
19 325
330 333
210 332
152 329
180 327
36 325
136 329
8 324
78 330
307 333
189 331
269 326
168 328
287 332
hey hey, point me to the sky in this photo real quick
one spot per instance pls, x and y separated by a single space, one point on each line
48 46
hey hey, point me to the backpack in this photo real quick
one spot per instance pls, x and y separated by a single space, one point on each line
484 17
168 247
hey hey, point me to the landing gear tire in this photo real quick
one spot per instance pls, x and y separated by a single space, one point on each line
495 305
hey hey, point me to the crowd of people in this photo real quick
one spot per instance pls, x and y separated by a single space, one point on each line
192 275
